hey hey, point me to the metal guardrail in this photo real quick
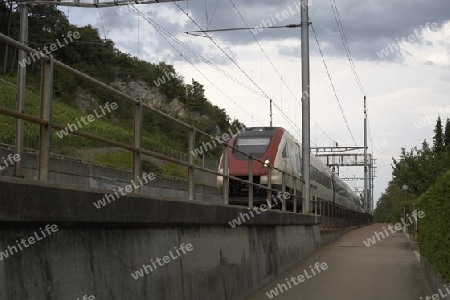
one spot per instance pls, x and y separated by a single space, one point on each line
48 63
79 160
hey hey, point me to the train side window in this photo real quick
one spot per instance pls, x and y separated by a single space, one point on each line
285 153
298 159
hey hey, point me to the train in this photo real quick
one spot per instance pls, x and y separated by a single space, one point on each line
276 147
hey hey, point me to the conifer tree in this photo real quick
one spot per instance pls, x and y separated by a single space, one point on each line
447 135
438 139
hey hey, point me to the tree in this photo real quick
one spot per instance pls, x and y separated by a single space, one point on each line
195 96
438 139
447 135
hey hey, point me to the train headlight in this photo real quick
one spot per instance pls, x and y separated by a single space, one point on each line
267 162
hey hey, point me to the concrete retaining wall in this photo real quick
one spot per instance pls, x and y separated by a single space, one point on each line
95 251
87 175
434 279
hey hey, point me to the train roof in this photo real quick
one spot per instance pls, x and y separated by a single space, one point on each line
266 131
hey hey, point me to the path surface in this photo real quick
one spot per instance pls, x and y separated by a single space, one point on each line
388 270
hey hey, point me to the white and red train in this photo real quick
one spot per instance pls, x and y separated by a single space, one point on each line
275 146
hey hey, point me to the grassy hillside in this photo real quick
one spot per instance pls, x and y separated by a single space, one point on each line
75 98
79 147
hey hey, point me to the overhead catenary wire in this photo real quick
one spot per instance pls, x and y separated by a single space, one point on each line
295 126
273 65
110 25
163 35
206 13
193 52
235 63
331 81
345 44
101 22
213 14
223 51
349 56
196 54
241 28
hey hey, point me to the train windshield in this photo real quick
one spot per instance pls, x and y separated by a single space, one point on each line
255 146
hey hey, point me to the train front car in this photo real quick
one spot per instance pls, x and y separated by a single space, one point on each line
262 143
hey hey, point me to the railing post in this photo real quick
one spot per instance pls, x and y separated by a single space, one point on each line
250 178
321 211
338 214
333 222
329 215
269 186
283 189
137 133
226 172
20 97
318 207
191 145
295 195
315 200
45 131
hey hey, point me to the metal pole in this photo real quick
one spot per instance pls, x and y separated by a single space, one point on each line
366 206
283 189
295 195
20 98
404 188
191 170
45 131
250 178
269 186
137 133
373 175
305 107
369 182
226 172
270 112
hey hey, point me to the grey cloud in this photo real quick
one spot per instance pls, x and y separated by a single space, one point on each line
127 22
370 26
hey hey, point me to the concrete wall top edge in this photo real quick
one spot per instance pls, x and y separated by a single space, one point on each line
23 201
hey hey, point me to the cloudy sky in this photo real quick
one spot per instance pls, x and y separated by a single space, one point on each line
401 50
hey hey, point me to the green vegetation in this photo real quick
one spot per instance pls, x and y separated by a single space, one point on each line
121 159
435 226
175 170
426 173
75 98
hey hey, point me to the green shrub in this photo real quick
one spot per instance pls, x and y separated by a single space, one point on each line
174 170
148 166
434 228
